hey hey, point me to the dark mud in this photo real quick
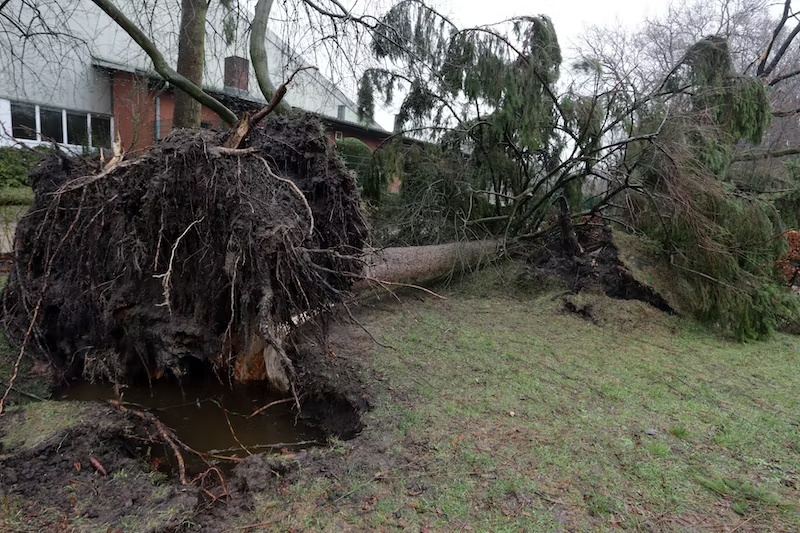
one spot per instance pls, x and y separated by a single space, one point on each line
47 474
51 461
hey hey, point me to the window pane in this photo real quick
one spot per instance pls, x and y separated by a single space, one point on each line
23 121
101 131
52 126
77 133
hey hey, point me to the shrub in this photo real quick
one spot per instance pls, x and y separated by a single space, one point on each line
357 156
17 163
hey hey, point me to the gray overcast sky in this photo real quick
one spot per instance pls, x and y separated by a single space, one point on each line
569 17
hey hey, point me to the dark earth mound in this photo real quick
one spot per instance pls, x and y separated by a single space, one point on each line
49 457
598 268
188 257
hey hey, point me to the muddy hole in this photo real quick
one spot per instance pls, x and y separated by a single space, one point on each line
210 417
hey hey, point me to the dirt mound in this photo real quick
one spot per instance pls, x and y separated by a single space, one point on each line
597 268
188 255
49 457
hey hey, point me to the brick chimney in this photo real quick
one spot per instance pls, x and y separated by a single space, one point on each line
237 74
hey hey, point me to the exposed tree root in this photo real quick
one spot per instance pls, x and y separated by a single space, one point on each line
193 252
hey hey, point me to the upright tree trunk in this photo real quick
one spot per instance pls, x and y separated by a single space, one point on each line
191 53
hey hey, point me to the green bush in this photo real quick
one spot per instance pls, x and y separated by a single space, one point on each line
16 163
357 157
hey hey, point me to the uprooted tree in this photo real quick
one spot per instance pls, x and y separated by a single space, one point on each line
204 252
210 247
191 254
656 154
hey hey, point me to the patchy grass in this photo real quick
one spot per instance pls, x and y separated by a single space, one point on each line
9 216
28 427
506 413
19 196
498 410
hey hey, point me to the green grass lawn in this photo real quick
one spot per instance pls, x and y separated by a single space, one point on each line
505 413
496 410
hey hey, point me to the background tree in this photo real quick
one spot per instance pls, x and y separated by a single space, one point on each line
191 57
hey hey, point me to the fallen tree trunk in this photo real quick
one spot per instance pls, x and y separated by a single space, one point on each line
420 264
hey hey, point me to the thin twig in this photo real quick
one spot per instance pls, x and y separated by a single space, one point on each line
399 284
270 404
233 433
297 191
364 328
277 97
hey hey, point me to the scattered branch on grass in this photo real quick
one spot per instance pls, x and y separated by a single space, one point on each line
28 394
364 328
383 284
165 433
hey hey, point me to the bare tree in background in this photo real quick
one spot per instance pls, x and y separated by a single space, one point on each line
191 56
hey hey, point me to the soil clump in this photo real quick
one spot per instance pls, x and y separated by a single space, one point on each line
597 269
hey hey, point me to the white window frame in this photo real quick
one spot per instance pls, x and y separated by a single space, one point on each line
76 148
338 136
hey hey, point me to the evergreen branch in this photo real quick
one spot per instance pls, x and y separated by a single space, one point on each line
782 50
161 65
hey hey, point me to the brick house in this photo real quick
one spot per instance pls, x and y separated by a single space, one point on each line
105 86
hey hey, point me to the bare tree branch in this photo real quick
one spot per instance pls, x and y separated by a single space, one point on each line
760 71
258 53
757 156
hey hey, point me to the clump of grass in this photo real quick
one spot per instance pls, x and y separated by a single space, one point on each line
679 431
744 495
28 427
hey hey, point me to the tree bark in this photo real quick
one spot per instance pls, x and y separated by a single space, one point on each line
419 264
191 53
258 53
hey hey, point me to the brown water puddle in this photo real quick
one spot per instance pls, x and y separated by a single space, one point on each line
197 414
